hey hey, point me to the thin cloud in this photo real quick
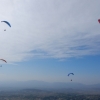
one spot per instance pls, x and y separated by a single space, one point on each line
52 29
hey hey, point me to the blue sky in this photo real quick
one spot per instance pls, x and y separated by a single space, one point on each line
49 39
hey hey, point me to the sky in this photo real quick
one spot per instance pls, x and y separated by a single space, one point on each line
49 39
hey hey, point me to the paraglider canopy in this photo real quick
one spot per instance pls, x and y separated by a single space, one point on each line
99 20
3 60
7 23
70 73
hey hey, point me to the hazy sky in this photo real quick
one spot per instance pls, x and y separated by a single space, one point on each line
49 39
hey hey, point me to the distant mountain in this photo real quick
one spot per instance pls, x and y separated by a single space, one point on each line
47 85
95 85
41 84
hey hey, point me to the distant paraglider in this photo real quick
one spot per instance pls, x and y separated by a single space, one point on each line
70 74
7 24
4 61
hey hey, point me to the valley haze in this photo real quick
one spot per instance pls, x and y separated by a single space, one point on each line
35 84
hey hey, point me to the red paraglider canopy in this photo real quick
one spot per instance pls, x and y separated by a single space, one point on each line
99 20
3 60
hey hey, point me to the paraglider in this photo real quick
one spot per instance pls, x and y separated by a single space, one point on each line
7 24
70 74
99 20
3 60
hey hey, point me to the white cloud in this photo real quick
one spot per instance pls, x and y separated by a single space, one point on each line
49 28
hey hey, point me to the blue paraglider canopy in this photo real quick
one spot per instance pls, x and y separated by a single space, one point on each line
7 23
70 73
